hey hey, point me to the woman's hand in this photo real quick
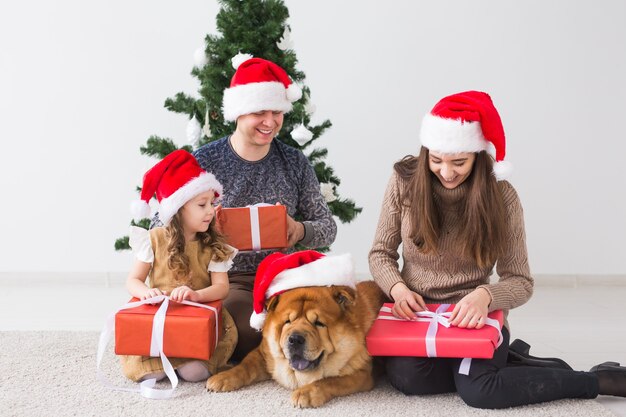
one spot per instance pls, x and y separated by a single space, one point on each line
472 310
406 302
152 292
179 294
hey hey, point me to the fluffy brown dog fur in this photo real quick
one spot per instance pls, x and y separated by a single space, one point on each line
313 343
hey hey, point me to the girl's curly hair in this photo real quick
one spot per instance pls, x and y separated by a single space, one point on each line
177 261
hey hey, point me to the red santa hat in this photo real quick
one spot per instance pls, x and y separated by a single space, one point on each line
280 272
258 85
176 179
466 122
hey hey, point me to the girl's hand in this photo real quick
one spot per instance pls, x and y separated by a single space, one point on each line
179 294
472 310
152 292
406 302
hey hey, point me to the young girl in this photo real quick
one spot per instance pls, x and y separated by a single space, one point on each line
456 220
186 259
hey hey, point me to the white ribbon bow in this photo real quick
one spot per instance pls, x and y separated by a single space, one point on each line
441 317
146 387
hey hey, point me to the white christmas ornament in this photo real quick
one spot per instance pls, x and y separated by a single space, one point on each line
239 59
206 129
285 42
301 134
309 107
200 58
328 191
194 130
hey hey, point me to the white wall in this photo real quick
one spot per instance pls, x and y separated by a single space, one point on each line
82 86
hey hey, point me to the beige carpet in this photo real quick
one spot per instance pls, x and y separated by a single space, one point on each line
53 374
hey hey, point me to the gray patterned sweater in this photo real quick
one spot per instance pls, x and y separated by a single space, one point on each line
285 176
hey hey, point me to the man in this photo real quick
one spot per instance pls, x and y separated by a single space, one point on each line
255 168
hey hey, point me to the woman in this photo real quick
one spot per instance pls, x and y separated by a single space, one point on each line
456 219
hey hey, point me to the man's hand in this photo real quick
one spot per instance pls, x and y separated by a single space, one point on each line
295 230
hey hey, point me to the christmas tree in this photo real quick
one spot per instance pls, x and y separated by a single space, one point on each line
248 28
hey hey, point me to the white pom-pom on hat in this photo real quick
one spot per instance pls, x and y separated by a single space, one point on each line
294 92
139 209
239 59
257 320
502 170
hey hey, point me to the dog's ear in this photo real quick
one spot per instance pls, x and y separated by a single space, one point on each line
271 304
344 296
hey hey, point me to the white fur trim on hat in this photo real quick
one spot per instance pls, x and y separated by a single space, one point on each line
502 170
139 209
452 136
324 272
253 97
170 205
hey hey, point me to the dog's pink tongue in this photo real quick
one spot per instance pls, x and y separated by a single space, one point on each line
299 363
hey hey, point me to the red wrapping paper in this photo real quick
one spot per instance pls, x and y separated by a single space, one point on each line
189 331
407 338
234 223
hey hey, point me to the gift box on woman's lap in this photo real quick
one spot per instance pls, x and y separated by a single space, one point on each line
389 336
189 331
254 227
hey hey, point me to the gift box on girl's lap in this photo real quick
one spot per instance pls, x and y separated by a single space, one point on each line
254 227
189 332
393 337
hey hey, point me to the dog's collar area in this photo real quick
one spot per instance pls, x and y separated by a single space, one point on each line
299 363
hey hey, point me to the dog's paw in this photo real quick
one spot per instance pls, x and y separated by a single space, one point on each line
309 396
223 382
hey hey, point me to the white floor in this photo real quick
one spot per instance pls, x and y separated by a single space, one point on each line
583 325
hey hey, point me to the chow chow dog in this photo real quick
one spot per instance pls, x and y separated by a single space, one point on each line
313 343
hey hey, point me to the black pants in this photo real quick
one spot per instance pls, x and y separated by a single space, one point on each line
239 305
490 383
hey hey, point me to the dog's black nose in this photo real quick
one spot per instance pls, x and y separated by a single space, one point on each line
296 339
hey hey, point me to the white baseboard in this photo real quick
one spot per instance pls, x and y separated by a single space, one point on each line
108 279
575 281
559 280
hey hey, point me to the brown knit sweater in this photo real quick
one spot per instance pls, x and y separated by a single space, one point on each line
447 276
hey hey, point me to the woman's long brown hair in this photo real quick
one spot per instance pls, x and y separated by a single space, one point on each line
177 261
483 217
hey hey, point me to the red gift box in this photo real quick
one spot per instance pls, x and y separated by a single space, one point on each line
389 337
254 227
189 331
